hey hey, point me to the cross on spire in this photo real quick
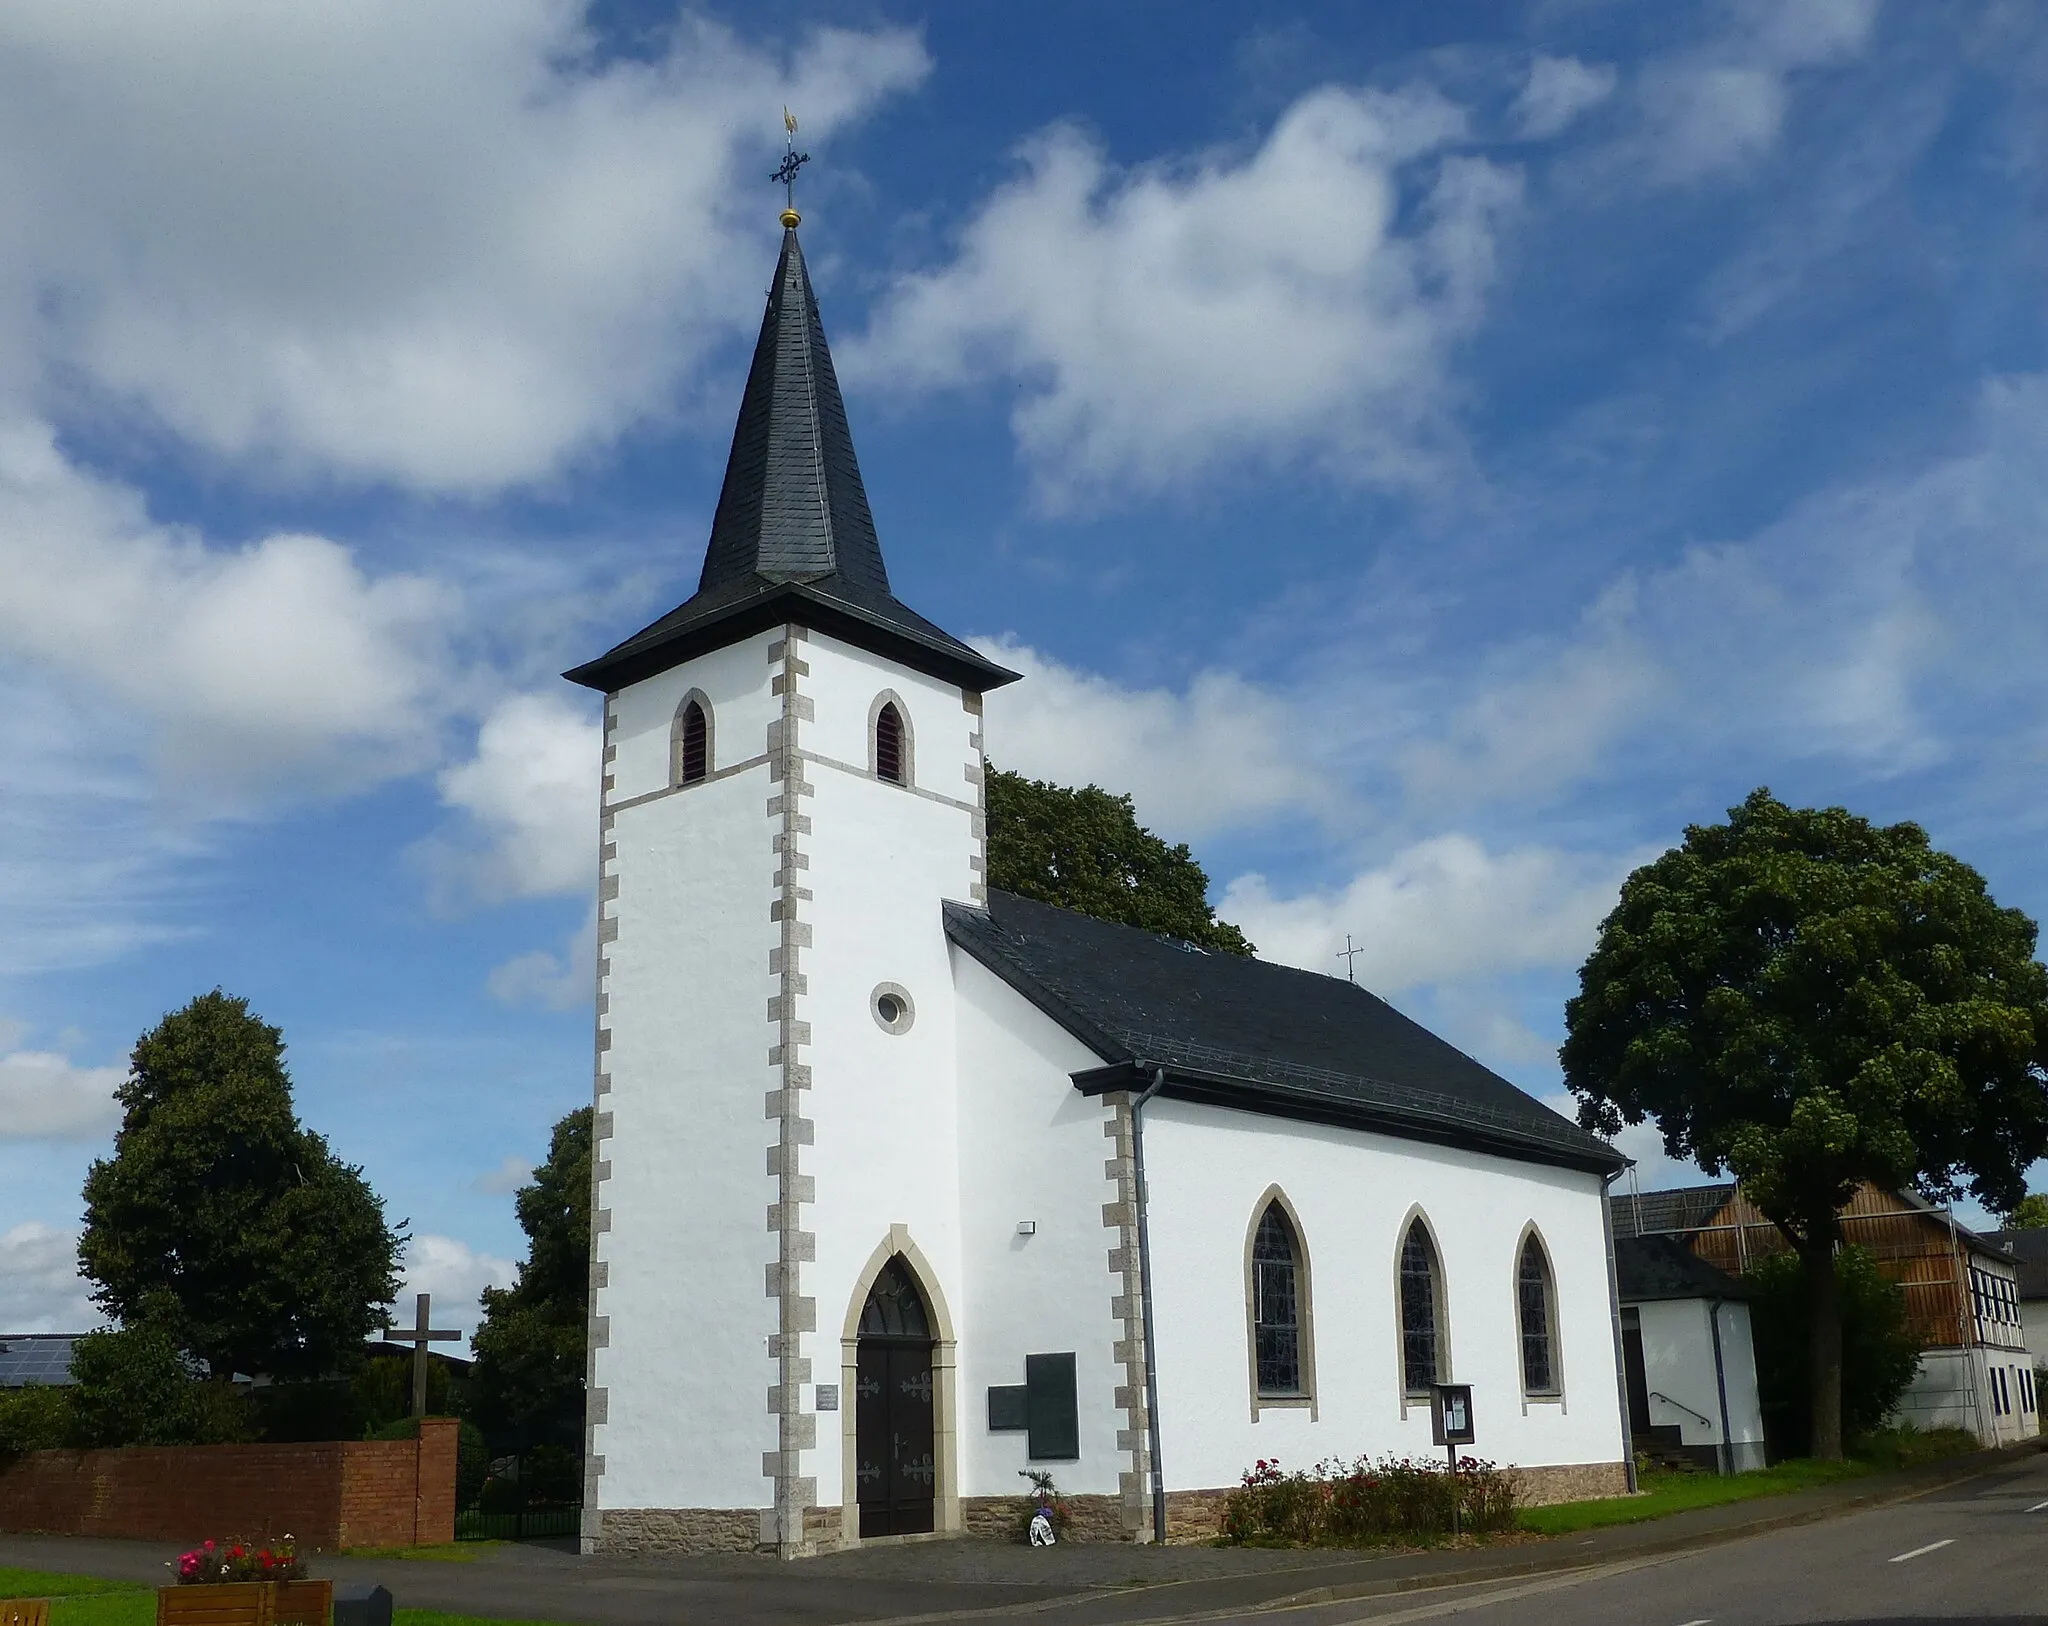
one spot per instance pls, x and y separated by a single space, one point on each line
1348 955
785 172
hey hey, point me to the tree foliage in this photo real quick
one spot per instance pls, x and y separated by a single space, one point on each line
527 1385
1814 1001
135 1387
222 1222
2030 1213
1085 850
1879 1352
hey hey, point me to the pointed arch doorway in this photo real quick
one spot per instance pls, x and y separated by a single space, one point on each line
895 1403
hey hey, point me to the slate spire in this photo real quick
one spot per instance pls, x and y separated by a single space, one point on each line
793 507
792 539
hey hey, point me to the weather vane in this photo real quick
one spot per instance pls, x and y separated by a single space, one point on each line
792 161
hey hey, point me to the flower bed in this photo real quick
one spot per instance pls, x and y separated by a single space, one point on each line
1396 1499
237 1583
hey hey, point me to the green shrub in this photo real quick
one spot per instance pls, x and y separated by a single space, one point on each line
1392 1500
472 1463
1879 1352
552 1476
34 1418
500 1496
135 1387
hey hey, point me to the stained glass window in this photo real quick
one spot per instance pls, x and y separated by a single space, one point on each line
1276 1305
1420 1347
1533 1294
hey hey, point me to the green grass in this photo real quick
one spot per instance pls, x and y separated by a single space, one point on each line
86 1600
1665 1493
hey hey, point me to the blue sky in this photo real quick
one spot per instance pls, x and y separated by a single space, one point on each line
1427 453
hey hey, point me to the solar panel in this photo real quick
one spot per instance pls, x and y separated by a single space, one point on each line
35 1358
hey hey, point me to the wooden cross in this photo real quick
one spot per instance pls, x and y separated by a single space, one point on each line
420 1336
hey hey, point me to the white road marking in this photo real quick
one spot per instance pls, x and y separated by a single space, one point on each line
2036 1508
1704 1620
1931 1547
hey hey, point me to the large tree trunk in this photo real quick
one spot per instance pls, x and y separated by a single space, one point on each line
1824 1348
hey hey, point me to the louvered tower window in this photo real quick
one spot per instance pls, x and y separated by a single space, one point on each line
1276 1305
1534 1294
693 753
889 744
1421 1348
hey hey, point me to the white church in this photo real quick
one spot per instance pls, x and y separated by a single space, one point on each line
905 1185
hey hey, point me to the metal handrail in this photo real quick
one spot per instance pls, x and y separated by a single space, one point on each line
1658 1394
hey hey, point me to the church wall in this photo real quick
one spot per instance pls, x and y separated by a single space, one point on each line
881 857
1352 1192
734 680
680 1318
1035 1148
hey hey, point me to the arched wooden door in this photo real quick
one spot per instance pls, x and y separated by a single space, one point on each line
895 1404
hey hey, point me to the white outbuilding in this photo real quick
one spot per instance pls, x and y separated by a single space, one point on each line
905 1185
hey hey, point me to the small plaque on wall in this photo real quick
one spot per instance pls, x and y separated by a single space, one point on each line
1008 1407
828 1397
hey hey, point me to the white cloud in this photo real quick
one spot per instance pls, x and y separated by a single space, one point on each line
1724 105
40 1288
1239 307
1557 91
506 1178
448 247
527 801
1224 754
1644 1143
455 1274
1445 910
44 1097
554 982
282 663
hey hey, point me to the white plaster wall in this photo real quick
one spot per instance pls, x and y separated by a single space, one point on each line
881 861
1678 1362
2034 1329
686 1371
1206 1168
1949 1391
736 682
844 682
1038 1151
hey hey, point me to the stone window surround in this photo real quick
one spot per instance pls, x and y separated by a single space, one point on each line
1554 1395
889 697
1304 1295
675 740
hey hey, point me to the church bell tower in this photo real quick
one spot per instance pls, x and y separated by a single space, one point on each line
792 788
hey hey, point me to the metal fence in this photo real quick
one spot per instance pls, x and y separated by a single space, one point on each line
532 1525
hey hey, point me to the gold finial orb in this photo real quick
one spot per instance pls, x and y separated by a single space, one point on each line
790 218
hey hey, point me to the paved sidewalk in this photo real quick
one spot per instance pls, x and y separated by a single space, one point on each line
960 1581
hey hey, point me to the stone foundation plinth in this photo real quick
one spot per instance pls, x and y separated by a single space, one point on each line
672 1530
1000 1518
1569 1482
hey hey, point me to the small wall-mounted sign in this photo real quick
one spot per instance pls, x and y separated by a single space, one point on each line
828 1397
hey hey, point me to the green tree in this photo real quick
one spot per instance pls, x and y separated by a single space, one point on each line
1813 1001
1879 1352
527 1385
2030 1213
224 1223
1085 850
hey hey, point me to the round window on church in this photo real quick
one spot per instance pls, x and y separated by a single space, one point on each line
893 1011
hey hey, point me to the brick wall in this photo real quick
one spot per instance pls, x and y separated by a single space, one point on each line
330 1494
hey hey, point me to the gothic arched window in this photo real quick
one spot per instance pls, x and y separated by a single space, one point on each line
1536 1310
1276 1304
690 741
895 1308
889 752
1422 1343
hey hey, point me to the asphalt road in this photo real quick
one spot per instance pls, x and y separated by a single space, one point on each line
1976 1552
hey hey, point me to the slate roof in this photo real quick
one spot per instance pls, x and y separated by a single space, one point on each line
1663 1213
1265 1038
1647 1268
36 1357
2028 1252
792 538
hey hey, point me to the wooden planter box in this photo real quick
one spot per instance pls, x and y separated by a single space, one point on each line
246 1603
